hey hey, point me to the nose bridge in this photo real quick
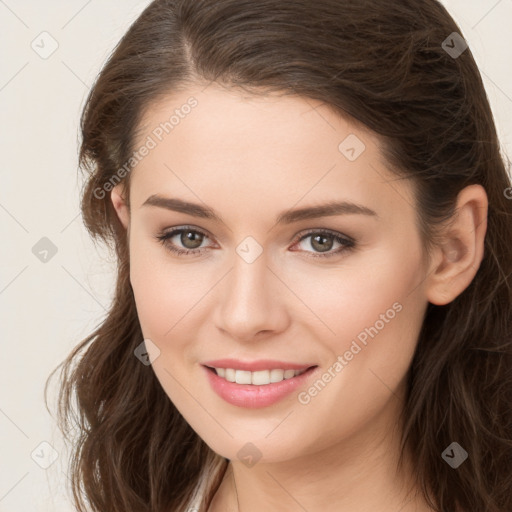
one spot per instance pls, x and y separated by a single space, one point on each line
247 291
250 300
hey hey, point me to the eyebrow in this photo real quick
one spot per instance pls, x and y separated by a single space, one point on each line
288 217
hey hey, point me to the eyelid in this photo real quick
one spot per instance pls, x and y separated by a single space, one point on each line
296 239
346 241
336 234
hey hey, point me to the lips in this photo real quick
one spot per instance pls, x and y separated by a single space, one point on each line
258 394
254 366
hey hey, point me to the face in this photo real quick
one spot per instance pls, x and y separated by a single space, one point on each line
340 292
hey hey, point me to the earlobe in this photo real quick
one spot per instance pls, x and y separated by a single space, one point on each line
458 257
117 196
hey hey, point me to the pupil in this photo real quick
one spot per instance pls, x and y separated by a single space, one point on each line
190 236
321 247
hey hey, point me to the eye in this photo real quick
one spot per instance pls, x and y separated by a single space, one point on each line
322 240
189 237
192 238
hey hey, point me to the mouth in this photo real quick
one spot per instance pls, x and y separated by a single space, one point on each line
259 388
256 378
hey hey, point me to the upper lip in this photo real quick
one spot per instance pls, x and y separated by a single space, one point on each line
254 366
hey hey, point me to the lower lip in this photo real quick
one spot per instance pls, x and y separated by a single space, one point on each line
255 397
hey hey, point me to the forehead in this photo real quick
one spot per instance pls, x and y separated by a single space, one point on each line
232 118
225 145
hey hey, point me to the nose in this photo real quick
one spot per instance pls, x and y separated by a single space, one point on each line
251 302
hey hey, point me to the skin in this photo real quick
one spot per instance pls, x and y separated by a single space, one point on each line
251 158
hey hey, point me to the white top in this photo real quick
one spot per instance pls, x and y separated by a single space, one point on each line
194 505
203 485
195 502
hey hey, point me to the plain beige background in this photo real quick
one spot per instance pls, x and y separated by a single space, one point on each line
47 307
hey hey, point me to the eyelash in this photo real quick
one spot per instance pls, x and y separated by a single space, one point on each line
346 242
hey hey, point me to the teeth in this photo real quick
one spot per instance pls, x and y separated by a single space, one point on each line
242 377
259 378
288 374
276 375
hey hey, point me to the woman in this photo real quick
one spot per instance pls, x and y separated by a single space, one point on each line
311 218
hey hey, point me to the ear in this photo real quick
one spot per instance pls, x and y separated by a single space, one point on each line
120 203
458 256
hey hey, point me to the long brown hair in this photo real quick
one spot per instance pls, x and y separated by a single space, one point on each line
384 64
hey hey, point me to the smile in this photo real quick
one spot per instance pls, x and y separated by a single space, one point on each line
258 378
259 388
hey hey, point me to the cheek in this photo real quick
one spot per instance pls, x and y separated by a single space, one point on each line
377 319
156 291
365 289
168 294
